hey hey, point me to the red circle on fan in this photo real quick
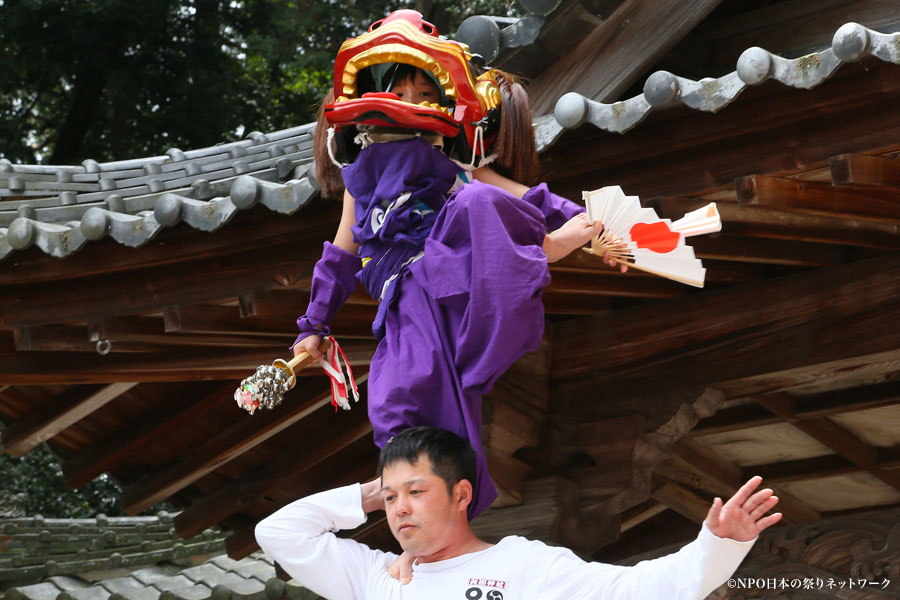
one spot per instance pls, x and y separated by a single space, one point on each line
654 236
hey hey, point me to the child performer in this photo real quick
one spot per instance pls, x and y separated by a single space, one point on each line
458 260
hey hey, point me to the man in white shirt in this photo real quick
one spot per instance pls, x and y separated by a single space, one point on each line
425 488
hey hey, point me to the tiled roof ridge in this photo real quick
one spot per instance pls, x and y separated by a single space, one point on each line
219 578
61 208
850 43
32 548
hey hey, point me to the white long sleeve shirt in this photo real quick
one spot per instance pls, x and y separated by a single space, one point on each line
300 537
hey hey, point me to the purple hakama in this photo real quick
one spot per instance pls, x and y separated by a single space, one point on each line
459 315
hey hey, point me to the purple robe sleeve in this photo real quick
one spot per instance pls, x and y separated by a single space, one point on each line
334 279
556 209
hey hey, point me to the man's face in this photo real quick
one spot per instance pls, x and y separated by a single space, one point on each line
422 515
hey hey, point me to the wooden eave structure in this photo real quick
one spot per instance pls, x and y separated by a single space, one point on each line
646 399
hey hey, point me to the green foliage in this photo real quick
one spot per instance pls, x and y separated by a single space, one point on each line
38 476
118 79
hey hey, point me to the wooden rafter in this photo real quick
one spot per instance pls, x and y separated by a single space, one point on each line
807 406
619 50
695 465
862 169
185 364
211 318
819 198
106 454
643 348
286 466
767 251
246 433
762 222
834 436
148 290
50 418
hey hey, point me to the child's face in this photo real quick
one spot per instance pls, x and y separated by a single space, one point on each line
416 89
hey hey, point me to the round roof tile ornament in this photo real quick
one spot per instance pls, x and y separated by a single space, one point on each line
20 234
115 559
274 588
91 166
850 42
482 35
94 223
5 166
176 155
27 211
244 192
16 184
115 203
755 65
51 568
167 210
571 110
202 190
661 88
221 592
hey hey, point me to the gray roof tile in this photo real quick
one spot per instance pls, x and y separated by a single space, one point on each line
192 592
41 591
851 42
130 588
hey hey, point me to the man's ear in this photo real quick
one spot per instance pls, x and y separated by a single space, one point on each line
462 494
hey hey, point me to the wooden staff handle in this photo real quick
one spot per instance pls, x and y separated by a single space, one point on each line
304 359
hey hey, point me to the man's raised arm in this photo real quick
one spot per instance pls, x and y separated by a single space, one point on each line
728 533
300 537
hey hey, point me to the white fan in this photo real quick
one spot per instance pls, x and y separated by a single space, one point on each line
637 237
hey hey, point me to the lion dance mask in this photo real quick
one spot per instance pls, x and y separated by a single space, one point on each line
467 116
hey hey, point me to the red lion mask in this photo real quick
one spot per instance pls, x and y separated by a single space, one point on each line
470 95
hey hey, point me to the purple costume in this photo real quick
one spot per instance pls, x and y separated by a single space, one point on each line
459 278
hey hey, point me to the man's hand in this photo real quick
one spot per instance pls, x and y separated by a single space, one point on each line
741 518
372 499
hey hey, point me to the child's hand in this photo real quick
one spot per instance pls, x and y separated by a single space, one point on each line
309 345
402 568
577 232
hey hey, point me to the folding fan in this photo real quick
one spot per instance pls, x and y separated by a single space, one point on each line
637 237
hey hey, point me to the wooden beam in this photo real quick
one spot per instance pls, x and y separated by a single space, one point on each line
767 251
609 283
763 222
231 498
640 514
292 302
705 463
148 290
732 335
819 198
803 469
151 330
790 28
862 169
807 406
832 435
243 541
620 50
53 416
127 441
245 434
212 318
67 338
185 364
681 500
